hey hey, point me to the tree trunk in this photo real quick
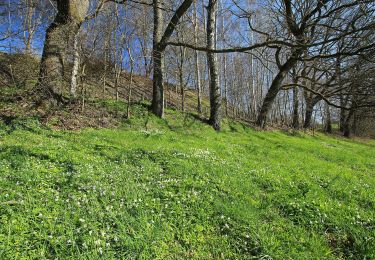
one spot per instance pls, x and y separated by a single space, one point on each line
295 123
225 84
159 44
328 122
130 83
197 71
65 26
158 59
215 96
76 60
342 114
29 26
182 88
308 114
346 125
275 88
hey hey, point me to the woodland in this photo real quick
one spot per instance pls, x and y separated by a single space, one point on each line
203 129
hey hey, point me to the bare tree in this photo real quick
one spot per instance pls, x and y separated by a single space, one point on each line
160 42
215 95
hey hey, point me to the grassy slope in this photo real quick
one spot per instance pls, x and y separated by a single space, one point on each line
175 188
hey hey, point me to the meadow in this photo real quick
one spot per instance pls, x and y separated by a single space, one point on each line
174 188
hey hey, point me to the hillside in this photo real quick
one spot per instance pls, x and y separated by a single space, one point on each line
175 188
19 74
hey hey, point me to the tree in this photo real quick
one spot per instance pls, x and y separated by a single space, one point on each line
314 28
215 96
160 42
69 17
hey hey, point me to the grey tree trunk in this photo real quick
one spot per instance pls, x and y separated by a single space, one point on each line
160 40
197 71
328 122
346 125
70 15
181 81
215 95
275 88
158 59
343 113
295 120
76 61
310 104
308 115
130 82
295 123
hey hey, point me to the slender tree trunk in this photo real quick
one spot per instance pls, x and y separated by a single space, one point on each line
327 123
182 88
196 56
76 61
159 44
130 83
106 50
295 123
29 27
225 84
215 96
158 59
342 103
342 114
83 90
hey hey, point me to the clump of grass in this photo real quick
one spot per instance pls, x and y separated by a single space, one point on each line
174 188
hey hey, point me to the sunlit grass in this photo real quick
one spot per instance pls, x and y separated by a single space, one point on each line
174 188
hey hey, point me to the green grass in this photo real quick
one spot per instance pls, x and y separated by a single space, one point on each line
174 188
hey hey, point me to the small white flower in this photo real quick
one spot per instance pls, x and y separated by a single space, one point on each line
100 250
81 220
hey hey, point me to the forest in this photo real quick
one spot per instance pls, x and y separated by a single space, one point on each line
203 129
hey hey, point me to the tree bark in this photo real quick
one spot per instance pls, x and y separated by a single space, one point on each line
295 123
346 125
196 56
130 82
275 88
215 95
158 59
65 26
342 113
76 61
181 82
159 45
328 122
310 104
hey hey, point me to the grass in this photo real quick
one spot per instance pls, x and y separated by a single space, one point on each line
174 188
